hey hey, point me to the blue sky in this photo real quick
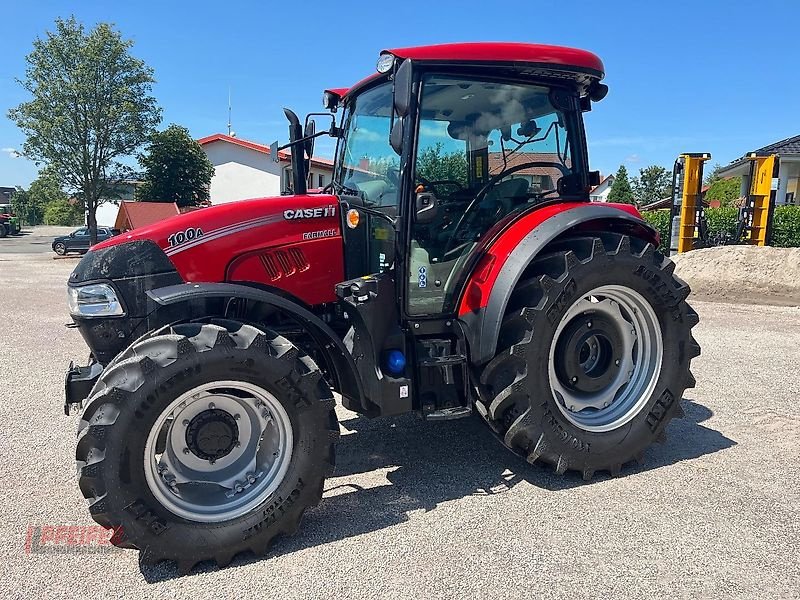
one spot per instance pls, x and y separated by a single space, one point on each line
719 77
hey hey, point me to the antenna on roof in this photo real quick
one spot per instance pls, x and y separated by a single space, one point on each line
230 133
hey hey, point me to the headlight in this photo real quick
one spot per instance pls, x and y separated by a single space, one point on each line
385 63
94 300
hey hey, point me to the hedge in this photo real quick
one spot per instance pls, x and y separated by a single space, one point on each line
785 224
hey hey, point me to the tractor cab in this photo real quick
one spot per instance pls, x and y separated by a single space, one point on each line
439 151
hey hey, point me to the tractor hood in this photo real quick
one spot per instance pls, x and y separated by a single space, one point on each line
293 243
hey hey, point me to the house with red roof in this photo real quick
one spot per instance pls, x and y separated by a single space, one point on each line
244 169
139 214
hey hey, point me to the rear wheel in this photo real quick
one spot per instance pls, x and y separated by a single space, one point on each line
206 441
593 356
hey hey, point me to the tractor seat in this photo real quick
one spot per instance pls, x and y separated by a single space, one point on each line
509 192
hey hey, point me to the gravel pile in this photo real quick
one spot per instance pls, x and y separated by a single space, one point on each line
743 274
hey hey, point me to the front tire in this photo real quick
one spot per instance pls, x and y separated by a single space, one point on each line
59 248
593 355
206 441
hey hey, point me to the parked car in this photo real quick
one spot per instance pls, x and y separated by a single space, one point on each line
78 240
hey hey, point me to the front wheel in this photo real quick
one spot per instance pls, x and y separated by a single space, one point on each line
593 355
206 441
59 248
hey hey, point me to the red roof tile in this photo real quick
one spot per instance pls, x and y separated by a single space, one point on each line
322 163
139 214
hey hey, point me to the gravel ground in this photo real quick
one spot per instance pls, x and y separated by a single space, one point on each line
421 510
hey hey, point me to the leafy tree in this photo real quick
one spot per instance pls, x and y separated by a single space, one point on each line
176 169
713 175
621 190
91 105
435 165
725 190
652 184
30 205
21 205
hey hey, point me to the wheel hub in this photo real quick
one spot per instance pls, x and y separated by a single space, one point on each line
589 353
605 358
218 450
212 434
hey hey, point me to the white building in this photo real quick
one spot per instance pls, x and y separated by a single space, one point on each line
244 169
788 184
601 191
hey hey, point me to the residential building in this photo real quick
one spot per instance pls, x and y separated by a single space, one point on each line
600 192
245 169
788 184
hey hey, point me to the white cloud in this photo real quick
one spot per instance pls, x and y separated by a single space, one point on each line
367 135
12 152
633 158
434 129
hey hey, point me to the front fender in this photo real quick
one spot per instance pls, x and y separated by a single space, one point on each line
340 362
489 287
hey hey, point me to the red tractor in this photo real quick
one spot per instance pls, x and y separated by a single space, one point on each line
454 266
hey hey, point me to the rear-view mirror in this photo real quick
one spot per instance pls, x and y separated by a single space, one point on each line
402 88
396 136
310 130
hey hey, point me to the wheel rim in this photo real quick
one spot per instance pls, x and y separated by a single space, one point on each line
60 248
605 358
218 451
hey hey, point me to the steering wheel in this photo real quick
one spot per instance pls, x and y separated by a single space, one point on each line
468 213
428 183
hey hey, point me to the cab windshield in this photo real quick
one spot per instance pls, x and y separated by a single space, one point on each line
366 163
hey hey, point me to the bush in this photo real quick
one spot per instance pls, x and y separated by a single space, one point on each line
61 212
786 227
721 221
659 219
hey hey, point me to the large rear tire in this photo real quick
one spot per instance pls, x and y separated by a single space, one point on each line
206 441
593 355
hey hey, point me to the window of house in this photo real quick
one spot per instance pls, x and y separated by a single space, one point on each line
321 180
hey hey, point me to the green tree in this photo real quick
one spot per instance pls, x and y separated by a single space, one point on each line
724 190
712 175
30 204
621 190
652 184
91 106
21 205
176 169
435 165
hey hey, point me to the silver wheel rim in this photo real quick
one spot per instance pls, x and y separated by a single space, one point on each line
218 451
622 358
60 248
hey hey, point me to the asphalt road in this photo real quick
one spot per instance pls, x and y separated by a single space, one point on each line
33 240
420 510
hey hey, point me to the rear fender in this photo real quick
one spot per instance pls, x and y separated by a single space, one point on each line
489 286
340 365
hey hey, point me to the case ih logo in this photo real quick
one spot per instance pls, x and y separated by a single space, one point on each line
70 539
310 213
